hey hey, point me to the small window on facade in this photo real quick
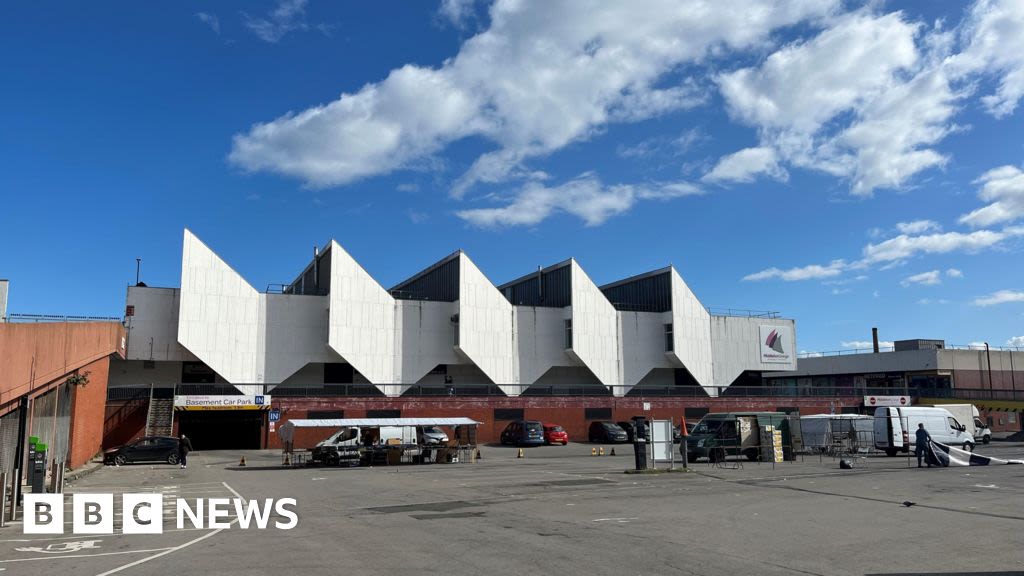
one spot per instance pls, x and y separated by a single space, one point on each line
695 413
568 333
508 414
325 414
669 340
383 413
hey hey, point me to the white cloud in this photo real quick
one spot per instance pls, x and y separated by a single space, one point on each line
584 197
1016 341
746 165
210 19
860 100
287 16
954 273
1003 187
994 45
927 301
542 76
458 12
814 271
976 345
929 278
866 344
904 246
917 226
1000 297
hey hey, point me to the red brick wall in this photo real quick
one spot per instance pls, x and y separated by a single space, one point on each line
87 411
565 411
124 421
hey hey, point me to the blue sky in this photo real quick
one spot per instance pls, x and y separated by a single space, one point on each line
847 164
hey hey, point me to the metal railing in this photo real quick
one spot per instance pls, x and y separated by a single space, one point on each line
851 351
742 312
23 318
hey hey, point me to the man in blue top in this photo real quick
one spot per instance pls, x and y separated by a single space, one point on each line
923 438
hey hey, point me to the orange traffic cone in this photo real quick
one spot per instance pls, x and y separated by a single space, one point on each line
600 451
242 461
593 451
613 452
287 460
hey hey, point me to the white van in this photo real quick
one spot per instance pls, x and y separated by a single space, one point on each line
896 428
967 414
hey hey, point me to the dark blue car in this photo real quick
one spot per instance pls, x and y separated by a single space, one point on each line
523 433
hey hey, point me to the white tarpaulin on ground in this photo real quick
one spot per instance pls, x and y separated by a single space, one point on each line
943 455
286 431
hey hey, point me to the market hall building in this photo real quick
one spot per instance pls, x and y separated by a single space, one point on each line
550 345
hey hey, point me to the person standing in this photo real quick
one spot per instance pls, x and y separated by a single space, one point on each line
184 447
921 443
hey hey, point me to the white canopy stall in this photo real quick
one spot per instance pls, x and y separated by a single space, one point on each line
287 430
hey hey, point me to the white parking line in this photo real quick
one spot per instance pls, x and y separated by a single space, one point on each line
176 548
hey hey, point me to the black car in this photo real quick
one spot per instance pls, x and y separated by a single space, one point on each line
147 449
630 428
607 432
523 433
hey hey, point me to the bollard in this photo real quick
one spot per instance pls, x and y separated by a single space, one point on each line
3 499
612 453
287 459
600 451
520 454
593 451
242 461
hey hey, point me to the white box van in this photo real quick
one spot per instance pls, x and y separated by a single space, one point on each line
967 414
896 428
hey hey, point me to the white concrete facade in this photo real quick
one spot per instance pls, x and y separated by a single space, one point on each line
469 334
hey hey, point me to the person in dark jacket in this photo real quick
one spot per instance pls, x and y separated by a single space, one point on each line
184 447
921 444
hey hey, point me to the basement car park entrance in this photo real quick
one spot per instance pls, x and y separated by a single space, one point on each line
222 422
223 429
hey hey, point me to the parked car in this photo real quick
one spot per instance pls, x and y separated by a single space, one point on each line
433 435
147 449
630 429
523 433
555 434
607 432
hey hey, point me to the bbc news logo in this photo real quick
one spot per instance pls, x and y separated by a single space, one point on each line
143 513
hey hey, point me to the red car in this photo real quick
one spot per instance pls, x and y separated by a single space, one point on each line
554 434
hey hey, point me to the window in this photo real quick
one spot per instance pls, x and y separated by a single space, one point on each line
197 373
325 414
597 413
508 414
695 413
568 333
669 340
953 423
383 413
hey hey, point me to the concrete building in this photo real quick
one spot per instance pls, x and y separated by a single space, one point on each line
446 330
927 370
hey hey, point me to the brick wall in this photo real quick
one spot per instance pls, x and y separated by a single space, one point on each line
87 414
565 411
124 420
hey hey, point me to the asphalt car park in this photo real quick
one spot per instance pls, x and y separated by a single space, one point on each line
559 510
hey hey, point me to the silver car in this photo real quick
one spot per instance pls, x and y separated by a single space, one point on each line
433 435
